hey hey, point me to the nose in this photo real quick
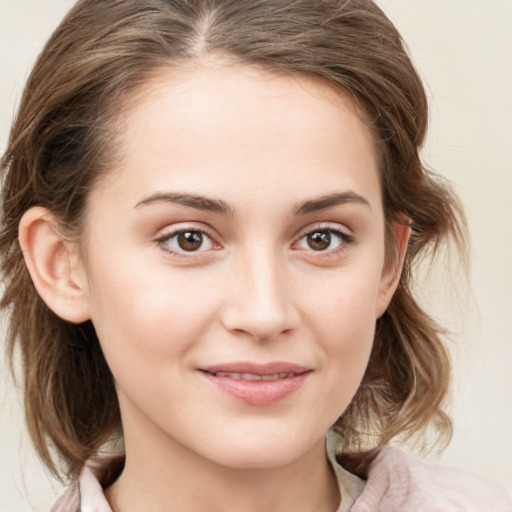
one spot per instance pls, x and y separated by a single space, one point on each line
259 301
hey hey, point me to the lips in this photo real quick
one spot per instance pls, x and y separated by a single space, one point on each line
253 376
257 384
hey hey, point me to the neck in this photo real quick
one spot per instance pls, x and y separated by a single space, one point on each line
161 475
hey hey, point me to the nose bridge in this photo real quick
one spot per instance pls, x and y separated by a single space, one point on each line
260 302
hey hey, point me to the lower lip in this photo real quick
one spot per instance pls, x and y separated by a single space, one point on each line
258 392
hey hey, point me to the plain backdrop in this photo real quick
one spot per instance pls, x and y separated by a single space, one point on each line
463 49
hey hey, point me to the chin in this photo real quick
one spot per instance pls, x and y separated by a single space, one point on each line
264 460
265 451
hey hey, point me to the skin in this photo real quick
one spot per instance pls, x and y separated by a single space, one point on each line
255 289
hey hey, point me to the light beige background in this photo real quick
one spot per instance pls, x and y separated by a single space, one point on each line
463 49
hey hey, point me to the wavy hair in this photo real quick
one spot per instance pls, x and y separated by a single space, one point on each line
61 144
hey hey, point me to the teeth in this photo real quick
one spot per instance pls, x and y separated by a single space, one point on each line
254 377
249 376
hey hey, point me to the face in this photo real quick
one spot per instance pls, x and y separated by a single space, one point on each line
234 263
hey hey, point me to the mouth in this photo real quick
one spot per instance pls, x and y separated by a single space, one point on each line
257 384
253 376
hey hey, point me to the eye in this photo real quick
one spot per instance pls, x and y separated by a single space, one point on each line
324 240
187 241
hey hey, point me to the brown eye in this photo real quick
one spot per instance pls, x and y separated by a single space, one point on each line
325 240
190 240
319 240
187 241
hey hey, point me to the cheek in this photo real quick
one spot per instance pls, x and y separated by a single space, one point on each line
344 302
148 316
345 328
148 334
349 333
342 313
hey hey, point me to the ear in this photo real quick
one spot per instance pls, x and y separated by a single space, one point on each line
54 265
392 271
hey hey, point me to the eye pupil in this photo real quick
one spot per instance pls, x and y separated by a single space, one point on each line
190 240
319 240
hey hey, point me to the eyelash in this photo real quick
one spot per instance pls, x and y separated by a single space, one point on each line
164 240
344 241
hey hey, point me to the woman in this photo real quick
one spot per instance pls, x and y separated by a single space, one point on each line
218 204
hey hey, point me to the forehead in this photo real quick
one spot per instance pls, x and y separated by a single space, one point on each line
215 128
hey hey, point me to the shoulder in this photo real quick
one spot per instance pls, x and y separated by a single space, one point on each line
87 494
69 501
398 482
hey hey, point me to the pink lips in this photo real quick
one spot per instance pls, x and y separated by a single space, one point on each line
257 384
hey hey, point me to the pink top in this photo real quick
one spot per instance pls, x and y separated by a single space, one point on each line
395 482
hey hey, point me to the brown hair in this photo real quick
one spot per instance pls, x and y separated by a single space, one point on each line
59 146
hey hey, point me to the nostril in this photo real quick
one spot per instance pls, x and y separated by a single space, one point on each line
260 325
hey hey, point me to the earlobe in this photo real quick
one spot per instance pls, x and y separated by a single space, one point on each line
53 265
393 269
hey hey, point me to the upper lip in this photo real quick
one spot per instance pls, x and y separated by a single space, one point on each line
256 369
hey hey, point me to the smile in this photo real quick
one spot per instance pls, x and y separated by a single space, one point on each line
257 384
253 376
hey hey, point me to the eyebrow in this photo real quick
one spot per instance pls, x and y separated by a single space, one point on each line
191 200
329 201
200 202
